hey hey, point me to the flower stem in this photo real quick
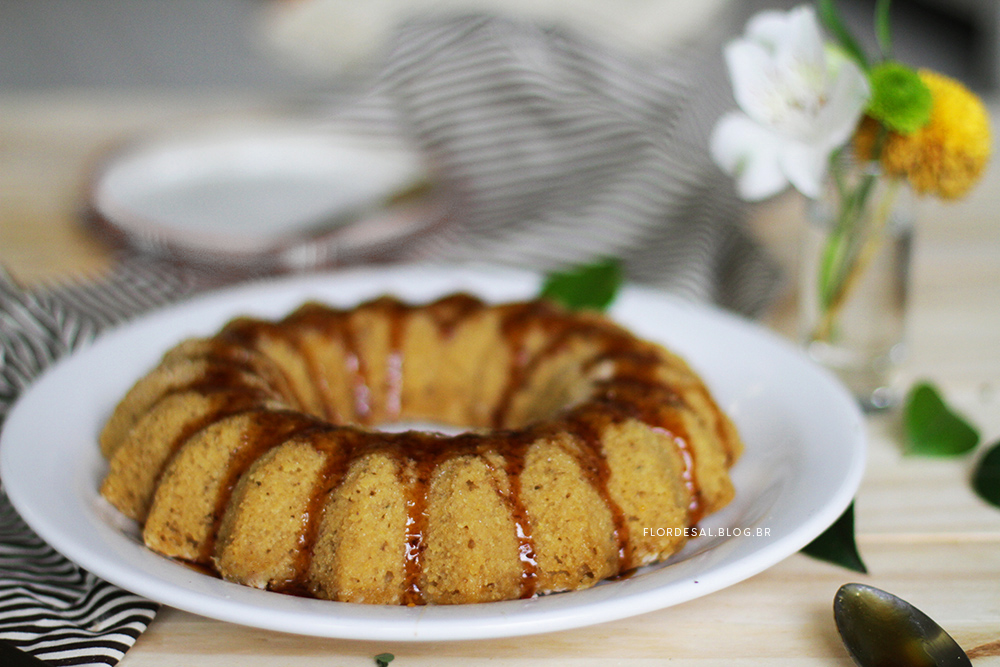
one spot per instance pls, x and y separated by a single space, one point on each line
850 249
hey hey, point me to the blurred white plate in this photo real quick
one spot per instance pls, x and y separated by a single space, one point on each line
289 194
804 435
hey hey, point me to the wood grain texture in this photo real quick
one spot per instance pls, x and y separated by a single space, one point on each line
923 533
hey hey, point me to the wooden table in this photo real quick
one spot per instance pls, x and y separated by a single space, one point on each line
923 533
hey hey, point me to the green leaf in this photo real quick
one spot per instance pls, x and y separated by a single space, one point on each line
986 477
836 544
383 659
900 99
883 32
830 17
932 428
592 286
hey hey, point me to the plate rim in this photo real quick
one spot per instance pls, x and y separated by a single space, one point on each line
393 224
511 618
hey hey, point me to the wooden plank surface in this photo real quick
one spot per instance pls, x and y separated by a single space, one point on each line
922 532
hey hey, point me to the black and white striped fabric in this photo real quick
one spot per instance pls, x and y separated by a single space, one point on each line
49 607
557 151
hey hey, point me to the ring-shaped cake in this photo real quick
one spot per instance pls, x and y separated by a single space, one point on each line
257 454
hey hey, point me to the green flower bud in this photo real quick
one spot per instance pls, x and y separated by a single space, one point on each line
900 99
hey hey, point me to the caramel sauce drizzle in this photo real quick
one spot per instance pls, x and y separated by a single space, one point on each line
594 463
633 391
394 362
245 332
516 325
450 311
317 378
235 398
338 452
724 434
270 429
413 446
514 460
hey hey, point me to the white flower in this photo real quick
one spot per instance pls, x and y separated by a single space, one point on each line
798 99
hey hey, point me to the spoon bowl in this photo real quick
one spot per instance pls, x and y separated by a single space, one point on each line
882 630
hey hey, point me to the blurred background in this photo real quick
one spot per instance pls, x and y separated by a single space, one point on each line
79 76
268 45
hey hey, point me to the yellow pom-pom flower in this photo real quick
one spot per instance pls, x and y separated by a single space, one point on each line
948 155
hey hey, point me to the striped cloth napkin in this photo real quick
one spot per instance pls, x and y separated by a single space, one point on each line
557 151
49 607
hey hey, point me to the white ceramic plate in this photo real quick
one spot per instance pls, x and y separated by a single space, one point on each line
804 460
286 193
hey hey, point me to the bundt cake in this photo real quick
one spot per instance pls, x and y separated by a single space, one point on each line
254 452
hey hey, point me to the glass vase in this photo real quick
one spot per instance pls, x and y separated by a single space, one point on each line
855 279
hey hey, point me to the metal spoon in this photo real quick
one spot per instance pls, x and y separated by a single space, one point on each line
881 630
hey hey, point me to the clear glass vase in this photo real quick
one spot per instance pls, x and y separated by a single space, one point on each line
855 279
